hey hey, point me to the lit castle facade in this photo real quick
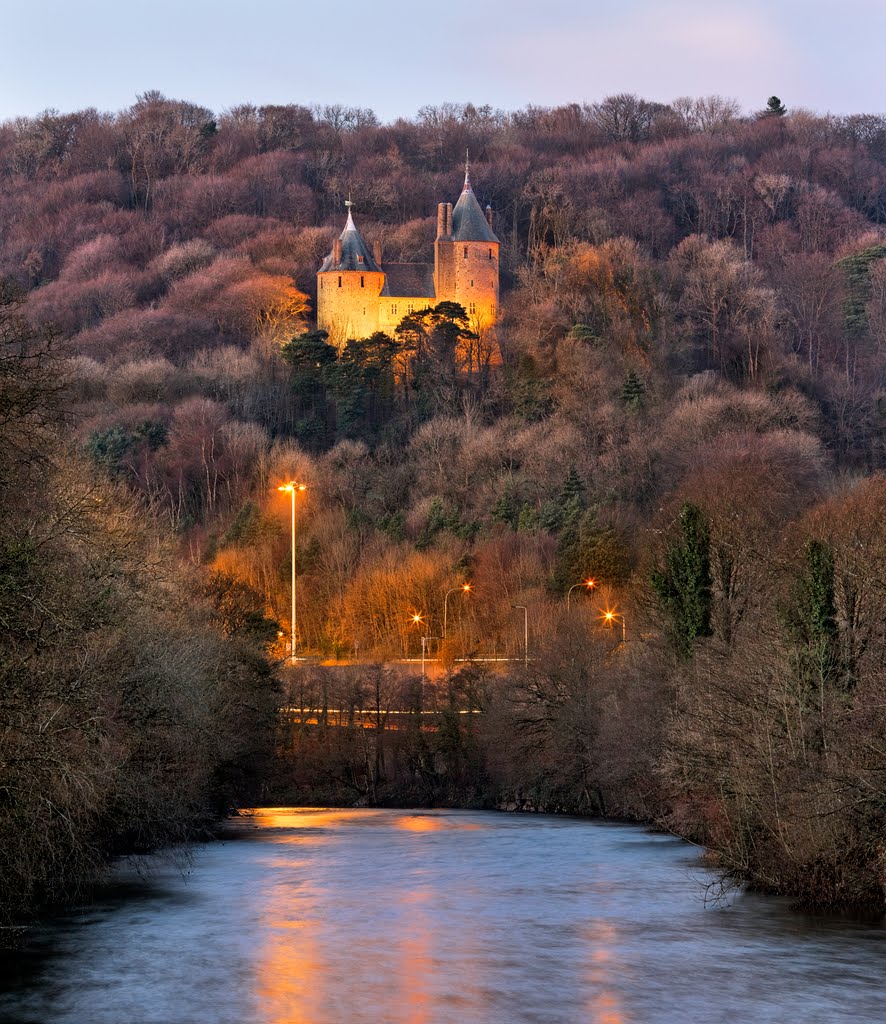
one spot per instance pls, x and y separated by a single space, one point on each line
358 294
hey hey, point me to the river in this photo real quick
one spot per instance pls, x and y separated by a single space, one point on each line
441 917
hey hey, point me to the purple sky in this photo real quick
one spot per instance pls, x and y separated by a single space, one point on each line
397 55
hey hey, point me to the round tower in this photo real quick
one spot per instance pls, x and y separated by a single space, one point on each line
349 283
474 255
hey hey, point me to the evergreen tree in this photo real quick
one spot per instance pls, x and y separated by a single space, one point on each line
812 619
683 587
858 269
308 356
527 518
774 108
633 390
590 550
572 494
432 336
507 508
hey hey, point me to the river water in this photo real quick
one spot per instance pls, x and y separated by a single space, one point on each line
378 916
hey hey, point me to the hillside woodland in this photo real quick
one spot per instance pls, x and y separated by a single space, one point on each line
684 401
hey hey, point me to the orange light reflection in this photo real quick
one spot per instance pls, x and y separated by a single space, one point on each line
605 1007
419 823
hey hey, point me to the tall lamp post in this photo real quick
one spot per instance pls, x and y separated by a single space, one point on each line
417 619
522 608
590 584
426 650
465 588
292 487
610 617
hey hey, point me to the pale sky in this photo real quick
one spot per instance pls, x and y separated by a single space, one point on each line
397 55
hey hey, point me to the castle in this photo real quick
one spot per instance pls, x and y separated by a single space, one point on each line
358 294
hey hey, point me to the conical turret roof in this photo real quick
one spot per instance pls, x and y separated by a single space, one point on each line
355 254
469 223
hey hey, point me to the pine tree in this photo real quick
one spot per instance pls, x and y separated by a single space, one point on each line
507 509
573 490
774 108
812 620
633 390
683 587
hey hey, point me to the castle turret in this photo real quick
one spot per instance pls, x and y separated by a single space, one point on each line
474 258
349 283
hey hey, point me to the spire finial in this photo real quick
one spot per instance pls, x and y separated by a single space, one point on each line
349 224
467 170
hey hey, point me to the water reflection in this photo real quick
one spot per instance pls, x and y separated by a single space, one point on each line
401 917
605 1006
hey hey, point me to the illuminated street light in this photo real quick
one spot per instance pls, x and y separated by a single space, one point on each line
609 618
292 487
590 584
415 619
465 588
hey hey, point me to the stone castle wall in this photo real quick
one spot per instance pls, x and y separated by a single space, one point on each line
348 304
391 310
476 281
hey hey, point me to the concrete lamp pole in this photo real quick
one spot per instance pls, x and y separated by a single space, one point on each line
521 607
292 487
465 588
590 584
610 617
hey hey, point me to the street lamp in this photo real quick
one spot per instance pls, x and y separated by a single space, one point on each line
415 619
465 588
292 487
609 617
590 584
425 647
522 608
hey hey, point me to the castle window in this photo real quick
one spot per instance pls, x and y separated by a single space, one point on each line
472 282
490 254
339 280
359 259
410 308
466 252
472 307
361 280
393 309
492 309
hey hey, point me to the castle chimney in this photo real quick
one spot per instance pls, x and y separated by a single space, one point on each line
376 252
489 214
442 225
336 252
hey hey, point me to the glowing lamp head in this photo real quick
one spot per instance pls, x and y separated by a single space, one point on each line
590 584
609 616
466 587
417 618
292 486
